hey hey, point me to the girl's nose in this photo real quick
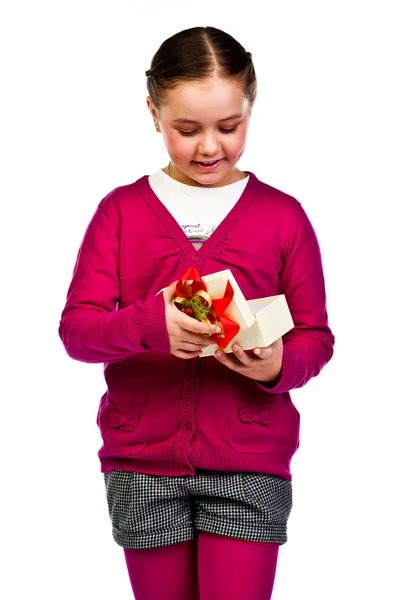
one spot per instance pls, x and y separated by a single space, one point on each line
208 145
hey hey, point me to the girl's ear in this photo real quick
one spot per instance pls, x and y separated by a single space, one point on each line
151 107
153 113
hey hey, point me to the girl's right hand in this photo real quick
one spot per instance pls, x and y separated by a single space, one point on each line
187 336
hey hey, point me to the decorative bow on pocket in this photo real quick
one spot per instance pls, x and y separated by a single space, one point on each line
130 423
248 416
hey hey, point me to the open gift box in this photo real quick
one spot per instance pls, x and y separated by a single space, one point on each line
261 321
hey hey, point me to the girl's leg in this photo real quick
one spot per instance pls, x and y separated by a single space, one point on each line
235 569
165 573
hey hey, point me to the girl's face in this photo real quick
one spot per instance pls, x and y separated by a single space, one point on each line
204 122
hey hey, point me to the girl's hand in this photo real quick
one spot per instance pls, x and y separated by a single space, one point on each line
264 364
187 336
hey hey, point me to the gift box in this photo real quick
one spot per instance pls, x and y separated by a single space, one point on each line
238 309
271 320
249 323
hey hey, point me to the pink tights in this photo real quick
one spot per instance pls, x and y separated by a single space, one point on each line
213 568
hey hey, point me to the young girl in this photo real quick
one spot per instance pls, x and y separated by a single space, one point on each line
196 450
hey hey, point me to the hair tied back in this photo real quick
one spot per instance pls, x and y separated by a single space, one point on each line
194 54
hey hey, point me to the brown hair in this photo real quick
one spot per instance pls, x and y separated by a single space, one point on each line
194 55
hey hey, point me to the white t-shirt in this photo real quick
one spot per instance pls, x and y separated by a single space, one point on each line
198 210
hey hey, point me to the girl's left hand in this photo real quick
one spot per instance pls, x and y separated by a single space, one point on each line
264 364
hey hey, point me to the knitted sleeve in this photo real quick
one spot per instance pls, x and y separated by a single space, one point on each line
309 345
92 328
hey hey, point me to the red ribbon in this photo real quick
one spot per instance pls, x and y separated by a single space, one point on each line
190 285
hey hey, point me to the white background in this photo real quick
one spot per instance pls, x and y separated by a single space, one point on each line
325 129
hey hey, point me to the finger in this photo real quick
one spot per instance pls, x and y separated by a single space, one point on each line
229 360
181 353
194 346
263 353
194 326
242 355
170 292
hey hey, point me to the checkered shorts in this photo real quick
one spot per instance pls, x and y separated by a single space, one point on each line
148 511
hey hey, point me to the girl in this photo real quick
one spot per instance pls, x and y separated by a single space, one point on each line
196 451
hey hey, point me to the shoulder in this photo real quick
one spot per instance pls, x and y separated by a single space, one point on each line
277 207
284 213
124 197
277 199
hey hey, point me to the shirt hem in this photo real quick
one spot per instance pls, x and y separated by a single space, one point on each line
215 458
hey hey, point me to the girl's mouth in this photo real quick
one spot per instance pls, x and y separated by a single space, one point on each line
209 165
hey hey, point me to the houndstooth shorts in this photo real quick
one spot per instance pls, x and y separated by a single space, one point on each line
148 511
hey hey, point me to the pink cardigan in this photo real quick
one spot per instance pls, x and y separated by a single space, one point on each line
167 416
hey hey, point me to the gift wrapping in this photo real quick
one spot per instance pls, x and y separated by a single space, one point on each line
217 298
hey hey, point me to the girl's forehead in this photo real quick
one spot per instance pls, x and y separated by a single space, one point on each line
212 99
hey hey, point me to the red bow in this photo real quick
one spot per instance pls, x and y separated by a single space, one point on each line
193 299
248 416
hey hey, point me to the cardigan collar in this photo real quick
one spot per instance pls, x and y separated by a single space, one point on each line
175 229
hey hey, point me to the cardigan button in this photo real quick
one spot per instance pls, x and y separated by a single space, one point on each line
192 386
189 426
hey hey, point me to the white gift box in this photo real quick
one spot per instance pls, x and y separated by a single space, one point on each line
262 321
238 309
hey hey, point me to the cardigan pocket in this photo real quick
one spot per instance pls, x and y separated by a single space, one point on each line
123 429
252 429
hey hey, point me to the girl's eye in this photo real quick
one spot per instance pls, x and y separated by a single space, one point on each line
193 132
229 130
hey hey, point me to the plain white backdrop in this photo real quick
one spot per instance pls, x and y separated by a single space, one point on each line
325 129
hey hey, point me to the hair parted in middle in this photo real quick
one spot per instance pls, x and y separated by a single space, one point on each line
194 55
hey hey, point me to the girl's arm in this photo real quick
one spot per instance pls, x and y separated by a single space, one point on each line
309 345
91 328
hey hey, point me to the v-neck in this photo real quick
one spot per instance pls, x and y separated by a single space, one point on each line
176 230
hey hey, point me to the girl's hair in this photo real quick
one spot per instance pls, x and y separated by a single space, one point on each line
194 55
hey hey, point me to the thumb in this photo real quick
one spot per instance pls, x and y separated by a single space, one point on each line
170 291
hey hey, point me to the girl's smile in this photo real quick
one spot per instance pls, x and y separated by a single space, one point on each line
211 166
